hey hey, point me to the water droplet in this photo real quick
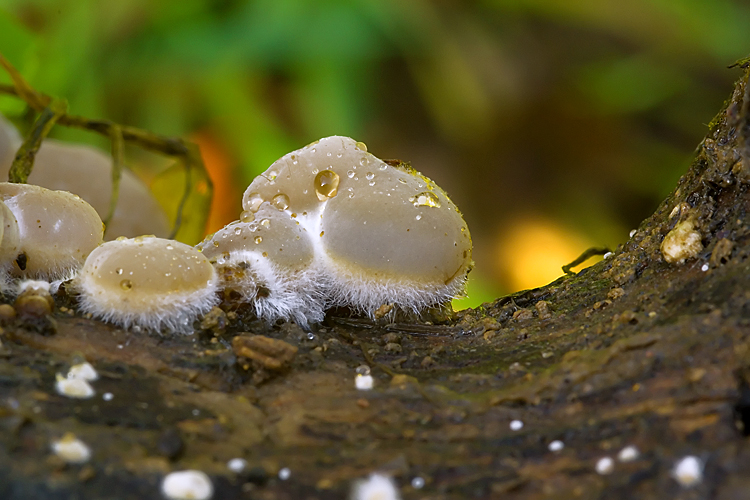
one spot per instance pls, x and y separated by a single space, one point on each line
169 246
280 201
310 336
326 184
370 176
362 146
258 240
272 176
417 483
216 244
419 217
363 370
426 199
238 231
383 166
247 216
121 238
350 174
265 223
126 284
402 180
253 202
339 155
118 270
314 171
265 254
371 183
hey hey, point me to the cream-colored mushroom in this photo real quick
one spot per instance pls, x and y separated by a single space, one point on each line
87 172
149 282
381 233
56 230
267 264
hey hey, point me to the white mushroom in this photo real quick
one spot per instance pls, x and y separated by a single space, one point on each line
148 282
87 172
56 230
267 264
382 233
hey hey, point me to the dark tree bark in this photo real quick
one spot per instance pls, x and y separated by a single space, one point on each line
634 350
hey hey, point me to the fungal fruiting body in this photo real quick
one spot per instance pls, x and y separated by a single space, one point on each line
366 233
146 281
86 171
266 262
10 140
46 234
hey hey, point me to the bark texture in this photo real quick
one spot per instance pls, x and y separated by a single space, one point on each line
635 350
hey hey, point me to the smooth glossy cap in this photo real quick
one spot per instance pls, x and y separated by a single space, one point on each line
56 229
147 281
403 226
273 234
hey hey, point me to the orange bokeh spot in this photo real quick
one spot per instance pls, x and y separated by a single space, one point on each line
531 252
226 204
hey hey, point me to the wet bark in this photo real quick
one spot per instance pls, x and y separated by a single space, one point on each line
632 351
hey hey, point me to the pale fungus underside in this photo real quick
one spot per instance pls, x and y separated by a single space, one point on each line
634 352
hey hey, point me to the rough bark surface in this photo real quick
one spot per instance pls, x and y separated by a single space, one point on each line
632 351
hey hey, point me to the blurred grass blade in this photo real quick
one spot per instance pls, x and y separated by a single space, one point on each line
169 189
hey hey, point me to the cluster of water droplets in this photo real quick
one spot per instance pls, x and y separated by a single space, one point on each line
332 225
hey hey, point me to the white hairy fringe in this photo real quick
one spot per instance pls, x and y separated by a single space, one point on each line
70 274
291 296
366 294
63 270
169 311
7 284
14 286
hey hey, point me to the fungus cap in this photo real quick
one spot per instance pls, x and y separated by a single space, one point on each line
294 175
272 234
9 237
87 172
266 263
382 232
56 229
146 281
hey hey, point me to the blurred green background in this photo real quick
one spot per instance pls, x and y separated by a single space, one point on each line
554 125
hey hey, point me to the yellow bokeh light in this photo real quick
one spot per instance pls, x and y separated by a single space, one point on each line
531 252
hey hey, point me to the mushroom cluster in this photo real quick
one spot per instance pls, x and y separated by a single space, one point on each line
329 225
86 171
